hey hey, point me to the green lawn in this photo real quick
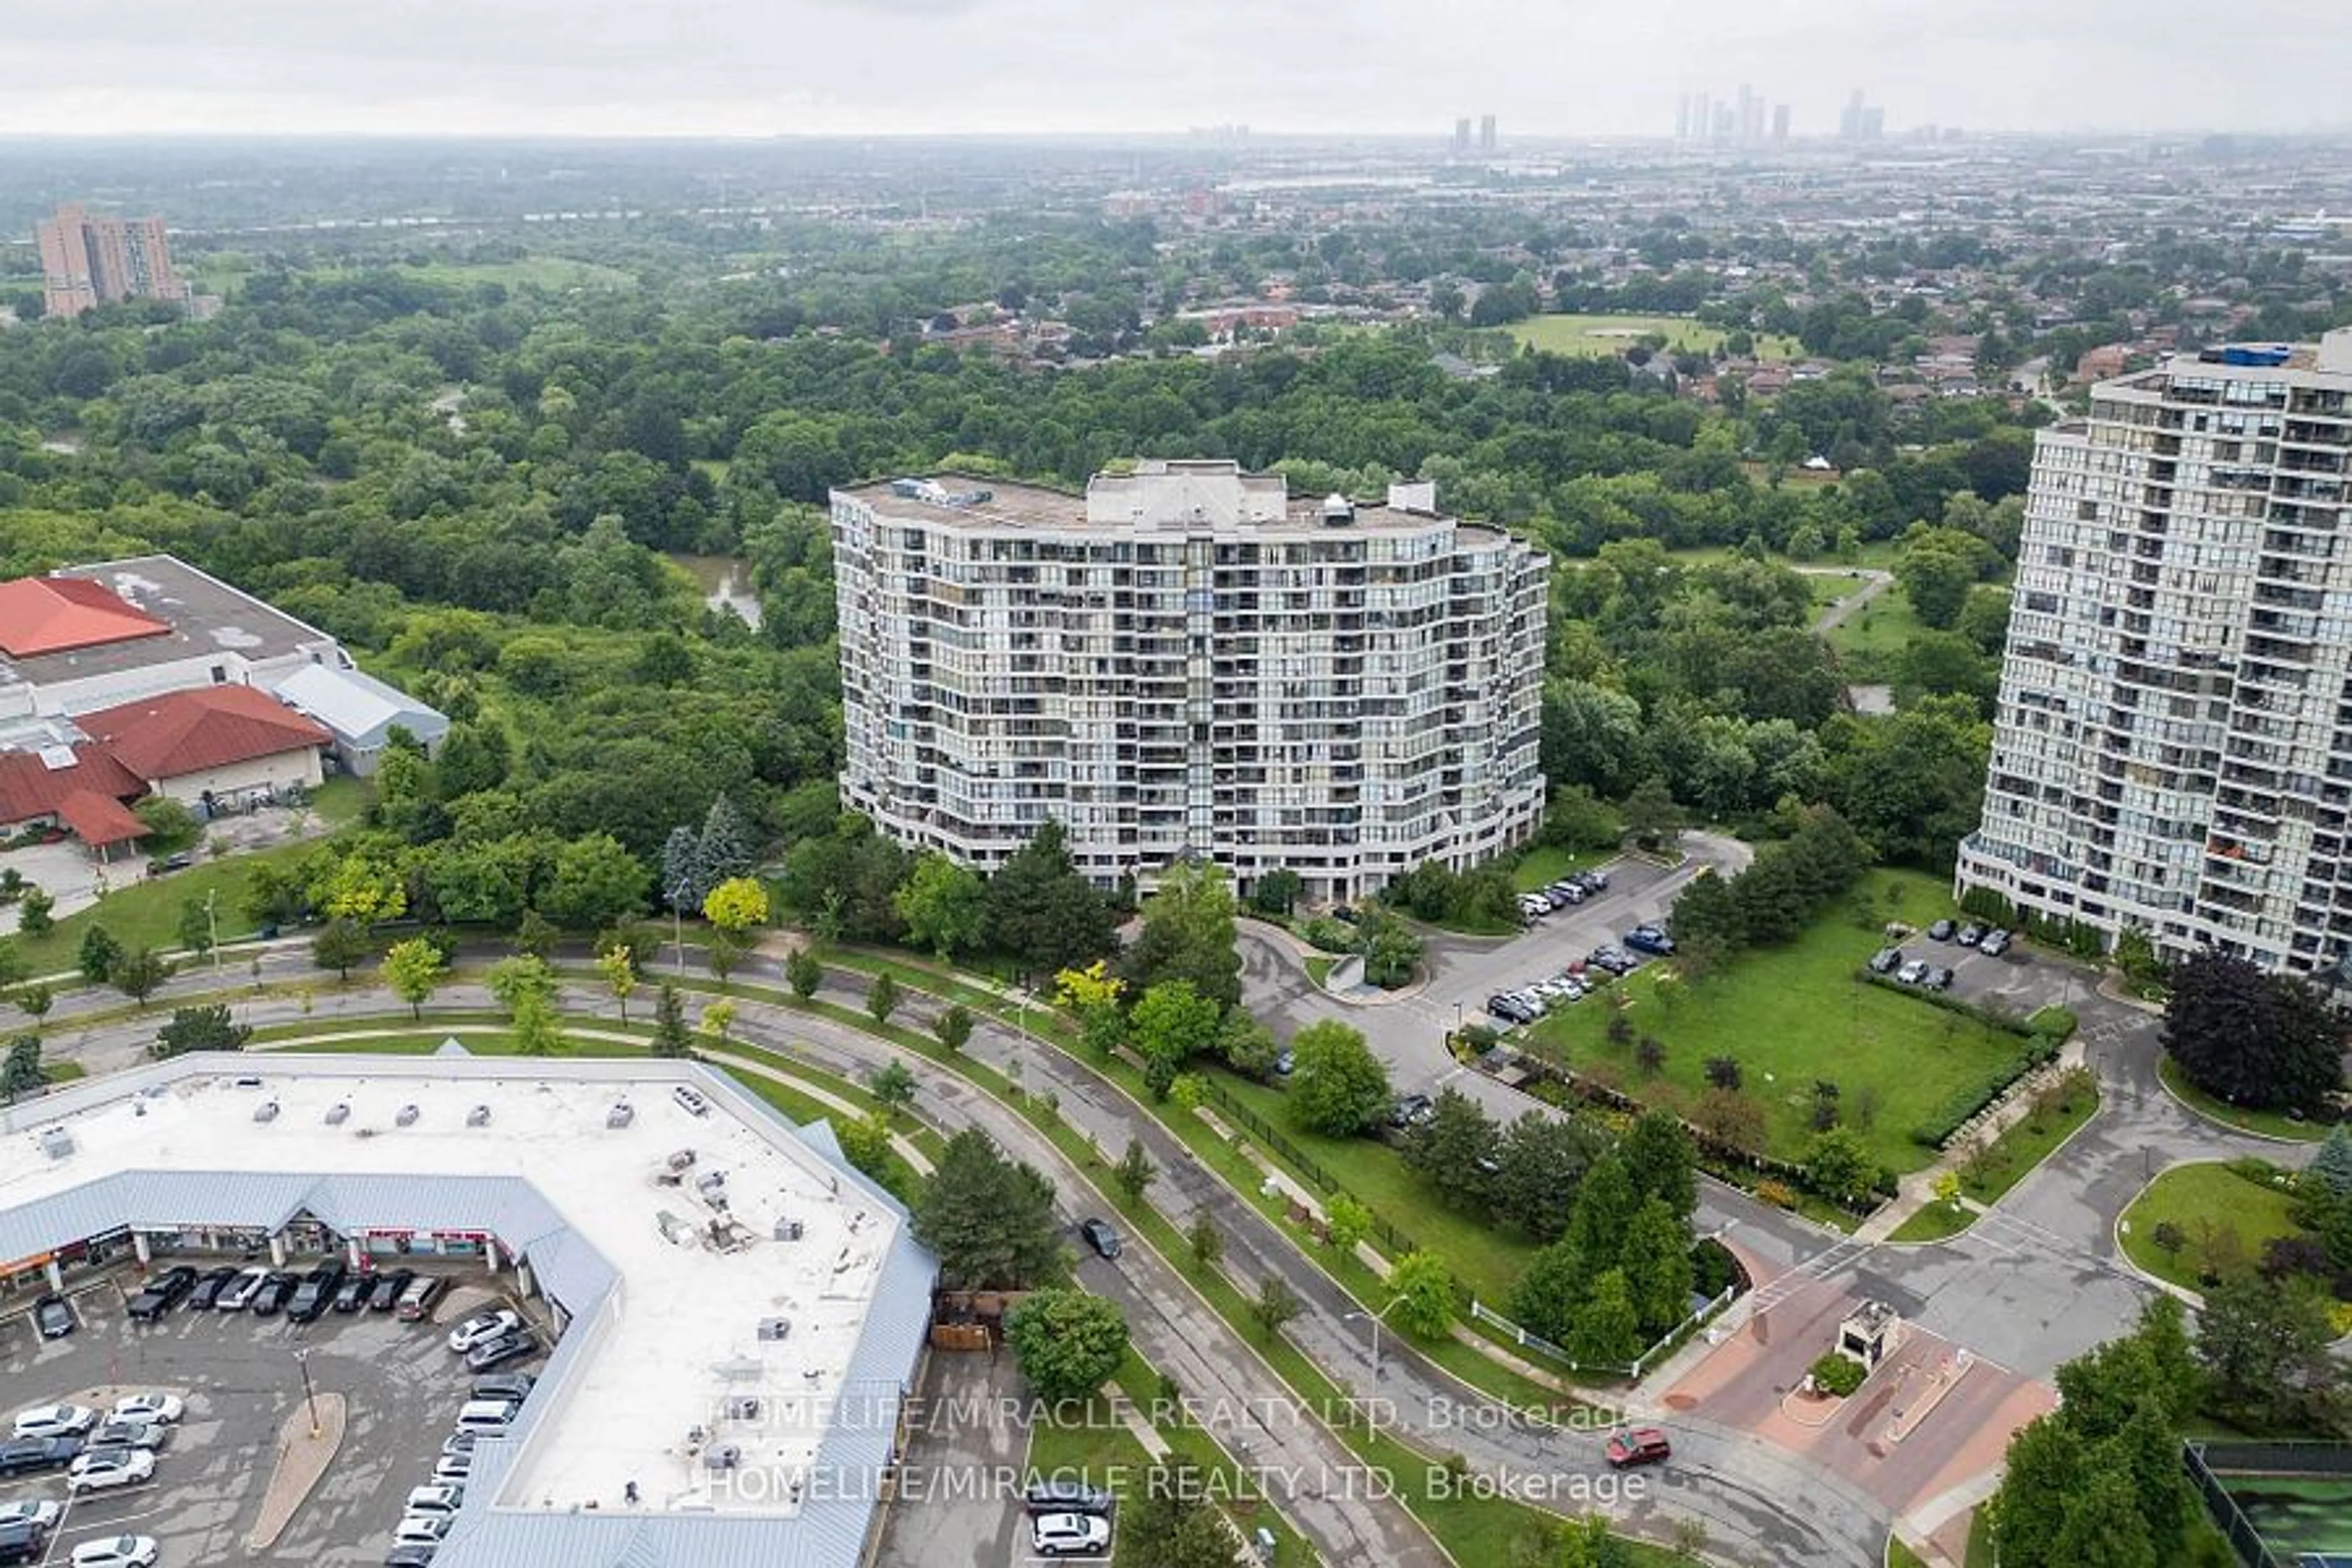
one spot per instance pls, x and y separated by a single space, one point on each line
147 913
2016 1152
2208 1202
1791 1015
2268 1124
1594 337
1937 1222
1548 863
1874 635
551 272
1901 1556
1319 969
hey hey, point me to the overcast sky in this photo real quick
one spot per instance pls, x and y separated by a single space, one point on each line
765 66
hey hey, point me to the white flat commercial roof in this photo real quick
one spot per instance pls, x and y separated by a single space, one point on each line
672 1339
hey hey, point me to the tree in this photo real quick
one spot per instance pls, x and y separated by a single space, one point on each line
595 884
141 973
718 1018
340 945
724 849
1173 1023
1661 1161
1604 1210
169 823
1069 1343
803 972
1043 913
1540 1163
1092 993
2263 1041
1429 1297
511 980
945 906
2331 1166
1838 1165
619 965
1174 1522
194 929
1207 1242
20 1073
1455 1151
1657 1263
1135 1173
1337 1086
670 1038
1249 1046
99 953
736 906
2105 1527
1346 1222
1276 892
989 1221
1188 934
1652 817
1607 1332
200 1029
36 913
894 1086
414 969
882 999
953 1026
1275 1305
35 1001
866 1143
2263 1347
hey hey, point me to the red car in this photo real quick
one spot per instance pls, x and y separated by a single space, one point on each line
1642 1446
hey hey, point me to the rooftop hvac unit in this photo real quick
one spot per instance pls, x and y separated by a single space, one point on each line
790 1230
56 1142
681 1160
621 1115
743 1407
775 1327
407 1117
725 1457
710 1182
478 1117
1338 512
338 1113
266 1111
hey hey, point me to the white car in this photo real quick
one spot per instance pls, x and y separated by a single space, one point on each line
421 1529
39 1512
102 1469
56 1421
483 1326
164 1408
1061 1534
453 1469
435 1500
116 1552
237 1294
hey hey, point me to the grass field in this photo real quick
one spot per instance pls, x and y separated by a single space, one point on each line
1791 1015
146 913
1596 336
1548 863
1879 631
2016 1152
2208 1203
2268 1124
224 273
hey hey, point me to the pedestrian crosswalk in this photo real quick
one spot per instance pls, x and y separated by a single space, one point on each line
1814 1270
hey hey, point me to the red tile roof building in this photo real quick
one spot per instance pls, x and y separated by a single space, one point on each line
59 614
33 786
185 732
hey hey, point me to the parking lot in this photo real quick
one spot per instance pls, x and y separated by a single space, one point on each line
241 1381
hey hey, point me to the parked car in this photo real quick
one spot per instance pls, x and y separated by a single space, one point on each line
1594 881
1285 1062
1651 940
457 1443
161 1294
418 1297
1641 1446
1060 1495
1912 972
1887 960
1410 1111
1941 930
102 1470
389 1289
1069 1534
37 1512
276 1291
209 1285
453 1469
410 1556
491 1354
22 1455
354 1293
1970 935
116 1552
1995 943
149 1435
483 1326
54 1317
435 1500
514 1385
1100 1237
162 1408
487 1417
315 1293
55 1421
421 1529
22 1541
1937 978
239 1294
1572 891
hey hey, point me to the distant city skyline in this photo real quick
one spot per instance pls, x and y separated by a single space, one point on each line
758 67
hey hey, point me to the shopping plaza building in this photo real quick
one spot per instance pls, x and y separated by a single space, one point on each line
1185 662
742 1313
2173 747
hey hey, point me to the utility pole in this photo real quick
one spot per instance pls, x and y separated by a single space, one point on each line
1374 1319
310 1393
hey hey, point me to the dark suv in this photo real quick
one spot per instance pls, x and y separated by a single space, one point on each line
22 1455
161 1294
315 1293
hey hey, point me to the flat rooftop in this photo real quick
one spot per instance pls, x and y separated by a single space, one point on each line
204 618
686 1317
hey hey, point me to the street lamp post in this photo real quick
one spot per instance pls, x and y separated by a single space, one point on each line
310 1393
1374 1319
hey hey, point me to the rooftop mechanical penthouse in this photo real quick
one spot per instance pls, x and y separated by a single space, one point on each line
1185 662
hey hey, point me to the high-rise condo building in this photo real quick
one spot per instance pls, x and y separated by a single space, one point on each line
1185 662
87 261
2173 748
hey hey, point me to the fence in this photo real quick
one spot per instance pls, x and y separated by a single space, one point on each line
1668 1343
1392 1239
2245 1542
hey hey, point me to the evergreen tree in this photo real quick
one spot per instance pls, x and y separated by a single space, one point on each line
989 1221
1608 1331
725 847
670 1036
1604 1210
1657 1263
2331 1166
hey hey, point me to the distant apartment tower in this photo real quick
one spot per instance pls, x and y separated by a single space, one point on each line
1485 133
2172 751
1185 662
1779 122
1462 134
88 262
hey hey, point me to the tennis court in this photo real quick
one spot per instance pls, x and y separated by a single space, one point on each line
2303 1519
